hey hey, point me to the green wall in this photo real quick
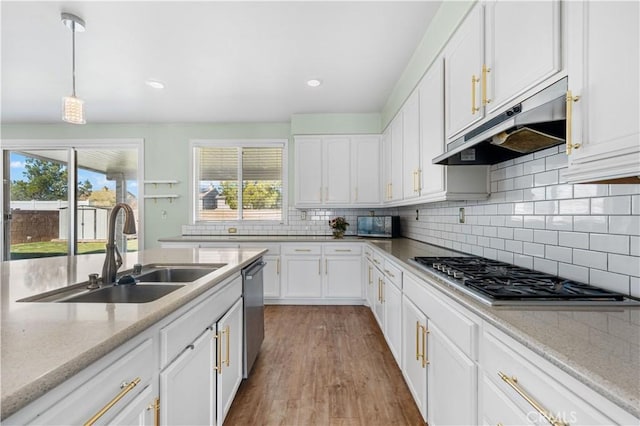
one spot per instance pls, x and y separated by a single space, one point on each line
166 157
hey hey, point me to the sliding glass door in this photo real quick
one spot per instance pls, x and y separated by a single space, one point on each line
41 217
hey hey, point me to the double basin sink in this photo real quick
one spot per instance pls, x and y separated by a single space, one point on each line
154 282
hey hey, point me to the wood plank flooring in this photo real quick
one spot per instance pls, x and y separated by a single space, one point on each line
323 365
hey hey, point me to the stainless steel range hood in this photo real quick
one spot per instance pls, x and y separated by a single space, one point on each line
534 124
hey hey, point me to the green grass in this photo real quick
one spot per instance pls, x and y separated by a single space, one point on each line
59 248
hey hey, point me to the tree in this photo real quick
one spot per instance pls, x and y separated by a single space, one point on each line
84 190
105 198
255 195
45 181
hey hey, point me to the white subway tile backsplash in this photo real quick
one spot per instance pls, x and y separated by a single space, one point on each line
533 249
546 178
514 221
546 207
624 225
505 256
546 152
514 171
590 223
513 246
523 208
573 272
505 233
490 253
545 237
534 194
609 243
535 166
635 246
523 182
574 207
590 190
544 265
505 209
560 223
611 205
523 235
634 287
523 260
592 259
635 204
537 222
560 254
559 192
505 185
573 239
610 281
556 161
625 189
627 265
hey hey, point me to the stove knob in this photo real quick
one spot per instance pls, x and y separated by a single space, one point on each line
451 272
435 265
457 274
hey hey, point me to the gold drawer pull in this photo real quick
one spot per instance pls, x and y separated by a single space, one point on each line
418 328
155 406
126 388
513 382
389 273
343 250
303 250
474 80
227 331
218 366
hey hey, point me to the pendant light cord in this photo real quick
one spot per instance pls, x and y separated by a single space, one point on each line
73 56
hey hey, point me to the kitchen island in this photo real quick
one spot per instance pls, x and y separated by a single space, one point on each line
44 343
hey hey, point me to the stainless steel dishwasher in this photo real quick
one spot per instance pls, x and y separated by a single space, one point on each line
253 295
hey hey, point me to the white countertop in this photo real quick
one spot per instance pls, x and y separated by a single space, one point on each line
43 344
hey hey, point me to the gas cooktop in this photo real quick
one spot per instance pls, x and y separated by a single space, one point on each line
498 283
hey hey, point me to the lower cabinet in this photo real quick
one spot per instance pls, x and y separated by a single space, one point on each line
142 411
187 385
452 382
229 368
414 353
271 276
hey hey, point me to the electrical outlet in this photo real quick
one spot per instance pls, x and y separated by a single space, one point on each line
232 230
461 215
303 215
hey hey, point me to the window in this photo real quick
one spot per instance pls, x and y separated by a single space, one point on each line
239 180
44 218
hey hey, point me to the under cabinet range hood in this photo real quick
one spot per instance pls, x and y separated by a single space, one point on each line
533 124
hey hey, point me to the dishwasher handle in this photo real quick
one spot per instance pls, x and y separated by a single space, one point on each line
252 270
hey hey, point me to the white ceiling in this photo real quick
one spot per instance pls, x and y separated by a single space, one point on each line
221 61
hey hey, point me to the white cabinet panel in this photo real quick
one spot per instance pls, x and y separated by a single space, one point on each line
309 167
432 141
414 366
411 146
397 135
302 276
336 170
603 66
230 366
343 276
139 412
366 170
510 42
392 300
271 276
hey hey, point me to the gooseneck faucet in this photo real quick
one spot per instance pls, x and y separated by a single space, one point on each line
113 261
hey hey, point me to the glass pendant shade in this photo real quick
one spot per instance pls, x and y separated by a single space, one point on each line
73 110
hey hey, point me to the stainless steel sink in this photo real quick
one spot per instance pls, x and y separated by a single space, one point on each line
124 294
173 275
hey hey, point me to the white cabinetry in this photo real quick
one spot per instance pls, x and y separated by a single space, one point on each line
489 60
337 170
603 66
414 352
513 375
396 172
411 146
322 273
229 368
271 272
438 182
142 411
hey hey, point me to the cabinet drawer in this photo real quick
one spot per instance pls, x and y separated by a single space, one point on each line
89 398
501 354
273 248
343 249
459 328
497 408
181 332
393 274
378 260
302 249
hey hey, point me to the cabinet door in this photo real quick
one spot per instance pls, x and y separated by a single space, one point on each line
343 277
510 41
187 385
229 376
452 382
302 276
411 146
432 139
414 367
308 171
603 67
386 164
463 57
370 285
142 411
378 303
336 168
365 170
271 276
392 300
397 131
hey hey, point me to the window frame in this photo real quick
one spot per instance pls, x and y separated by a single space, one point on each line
72 146
194 173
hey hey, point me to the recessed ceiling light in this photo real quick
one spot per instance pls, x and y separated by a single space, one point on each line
314 83
155 84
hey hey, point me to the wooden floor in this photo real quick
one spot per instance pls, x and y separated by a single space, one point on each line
323 365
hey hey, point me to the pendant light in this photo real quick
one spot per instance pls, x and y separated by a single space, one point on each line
73 107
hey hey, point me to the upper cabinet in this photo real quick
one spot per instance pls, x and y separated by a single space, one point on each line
603 131
500 51
337 171
411 147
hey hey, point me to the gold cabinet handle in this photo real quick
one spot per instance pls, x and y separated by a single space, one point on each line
425 361
376 261
319 267
419 173
379 290
155 406
513 383
343 250
303 250
278 266
474 80
228 333
370 275
382 291
485 99
570 100
218 366
389 273
418 328
126 388
326 267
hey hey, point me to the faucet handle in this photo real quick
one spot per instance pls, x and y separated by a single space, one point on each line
93 282
137 269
